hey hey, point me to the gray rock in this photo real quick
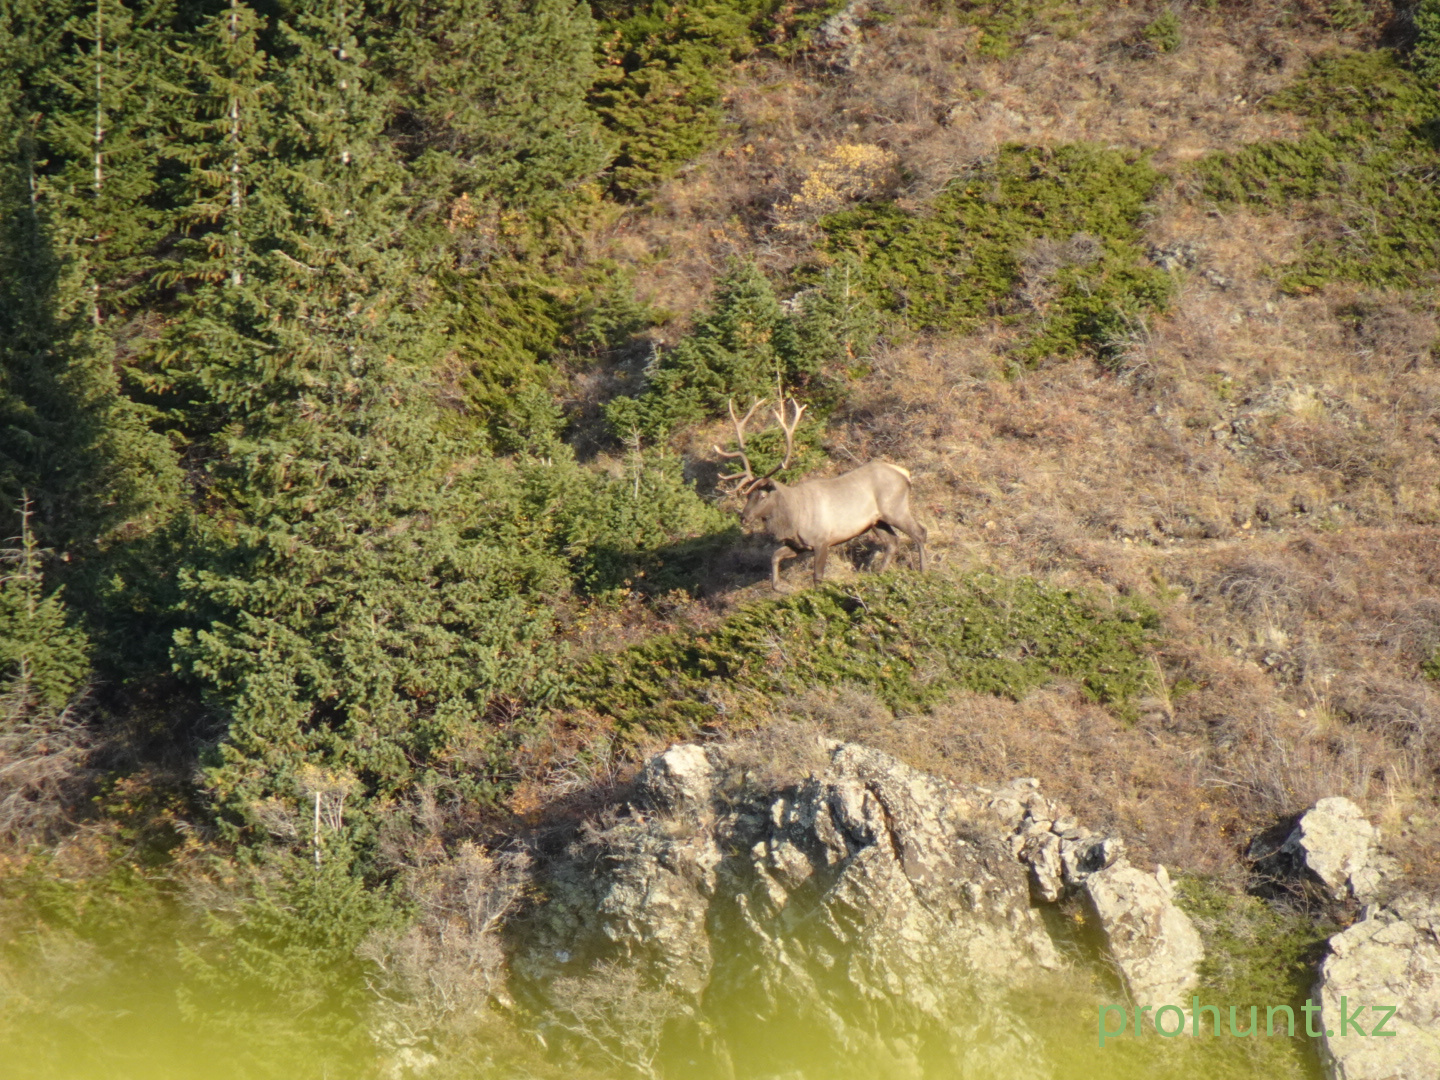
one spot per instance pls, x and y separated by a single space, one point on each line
1086 855
1047 873
1390 957
1336 840
1153 942
872 902
1332 843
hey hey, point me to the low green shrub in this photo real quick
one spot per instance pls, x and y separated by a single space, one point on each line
44 660
1164 33
1044 238
1426 55
1255 954
1365 168
1005 24
281 971
911 640
509 325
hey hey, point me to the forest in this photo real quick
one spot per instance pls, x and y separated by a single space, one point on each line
363 368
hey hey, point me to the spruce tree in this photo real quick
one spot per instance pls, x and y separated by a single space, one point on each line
1426 56
491 96
75 236
43 660
338 614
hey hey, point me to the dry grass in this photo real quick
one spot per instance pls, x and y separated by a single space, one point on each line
1262 466
923 95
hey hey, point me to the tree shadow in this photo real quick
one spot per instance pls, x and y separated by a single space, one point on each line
699 566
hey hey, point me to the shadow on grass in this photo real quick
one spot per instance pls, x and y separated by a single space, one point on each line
698 565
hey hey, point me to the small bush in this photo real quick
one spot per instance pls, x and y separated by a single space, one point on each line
284 970
1256 954
44 665
1164 33
1044 238
910 640
1005 26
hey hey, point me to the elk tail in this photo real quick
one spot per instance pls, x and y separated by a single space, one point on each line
900 469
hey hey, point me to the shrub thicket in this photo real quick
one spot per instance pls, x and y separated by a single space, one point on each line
1046 238
658 90
1365 169
911 640
1426 55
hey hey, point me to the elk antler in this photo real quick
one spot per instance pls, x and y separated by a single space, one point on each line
747 477
789 430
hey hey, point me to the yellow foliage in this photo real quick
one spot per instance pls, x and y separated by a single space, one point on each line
847 173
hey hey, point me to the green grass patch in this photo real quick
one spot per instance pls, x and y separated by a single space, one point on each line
1255 954
1005 24
1047 239
910 639
1365 172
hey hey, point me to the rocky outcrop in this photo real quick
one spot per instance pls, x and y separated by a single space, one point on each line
1390 958
883 907
1152 942
1332 844
867 899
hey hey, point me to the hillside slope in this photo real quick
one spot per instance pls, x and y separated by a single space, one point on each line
371 524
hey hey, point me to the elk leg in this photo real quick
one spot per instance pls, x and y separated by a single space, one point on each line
888 543
783 552
907 524
821 550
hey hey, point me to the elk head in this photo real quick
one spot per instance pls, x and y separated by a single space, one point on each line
759 491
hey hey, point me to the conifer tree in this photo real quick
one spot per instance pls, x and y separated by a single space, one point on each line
43 660
338 614
216 141
1426 56
492 96
73 239
102 102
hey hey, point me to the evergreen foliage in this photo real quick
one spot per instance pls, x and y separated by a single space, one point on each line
1426 55
1046 238
76 235
282 972
746 344
491 96
660 64
1366 163
1005 24
657 89
908 640
44 661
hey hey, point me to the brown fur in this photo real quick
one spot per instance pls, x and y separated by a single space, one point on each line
815 515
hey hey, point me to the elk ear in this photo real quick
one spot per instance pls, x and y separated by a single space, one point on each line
764 485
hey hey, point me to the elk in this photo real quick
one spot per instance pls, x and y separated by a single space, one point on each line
815 515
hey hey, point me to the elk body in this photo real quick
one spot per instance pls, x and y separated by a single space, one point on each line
815 515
